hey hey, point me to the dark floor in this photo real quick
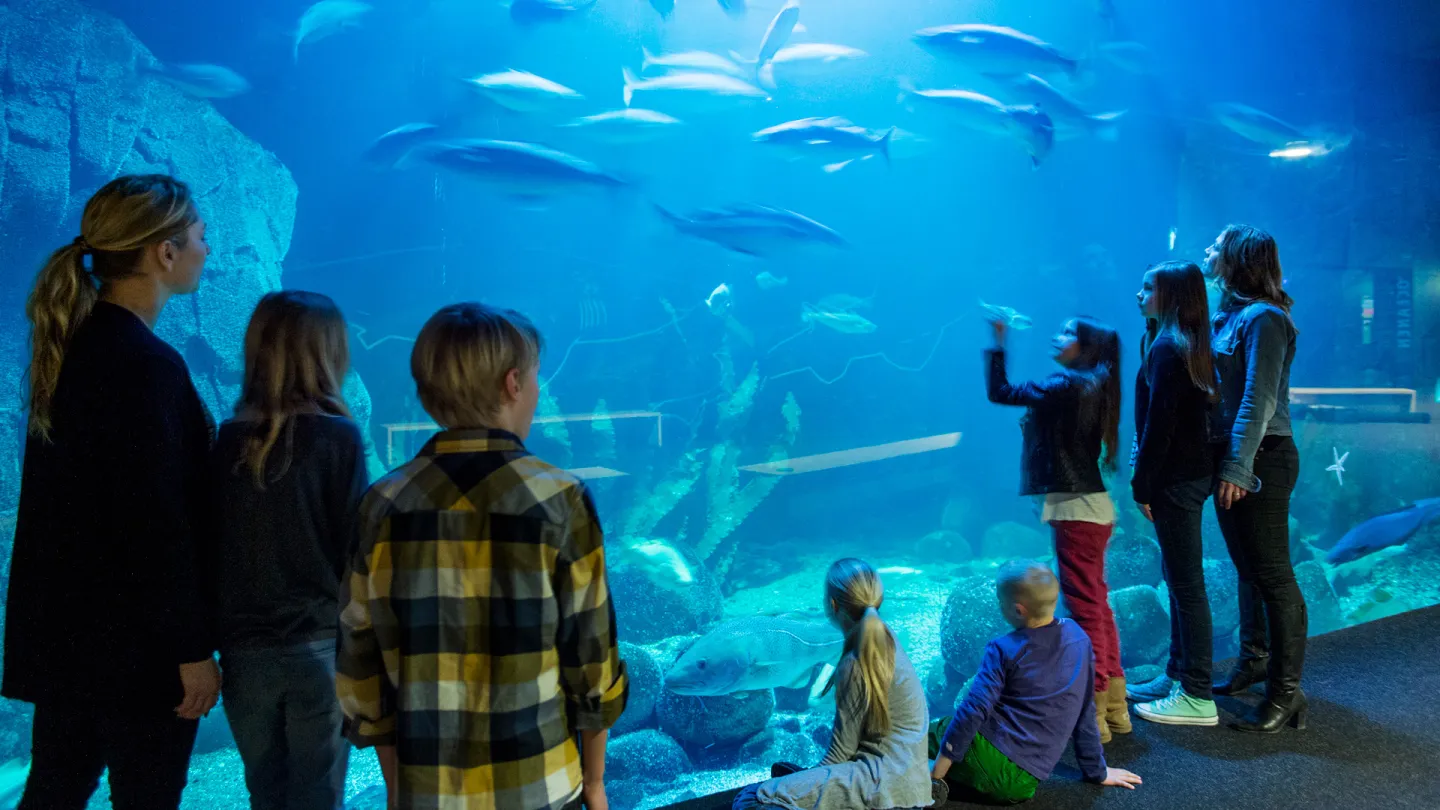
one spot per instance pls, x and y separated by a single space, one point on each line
1373 739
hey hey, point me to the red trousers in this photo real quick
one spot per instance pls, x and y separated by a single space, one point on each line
1080 550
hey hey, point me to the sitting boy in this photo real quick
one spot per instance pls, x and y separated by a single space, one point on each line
1031 695
477 636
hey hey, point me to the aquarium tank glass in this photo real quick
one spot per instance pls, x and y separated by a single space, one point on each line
762 240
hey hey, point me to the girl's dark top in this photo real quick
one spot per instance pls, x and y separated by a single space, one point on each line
106 599
281 551
1062 429
1171 424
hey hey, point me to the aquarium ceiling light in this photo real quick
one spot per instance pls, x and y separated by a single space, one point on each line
858 455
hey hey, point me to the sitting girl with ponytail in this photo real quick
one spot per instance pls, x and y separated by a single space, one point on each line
877 756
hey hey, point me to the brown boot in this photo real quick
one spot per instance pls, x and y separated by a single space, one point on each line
1117 714
1101 700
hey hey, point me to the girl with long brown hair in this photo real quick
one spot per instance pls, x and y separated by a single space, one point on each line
1254 344
1069 432
1173 471
288 474
106 629
877 756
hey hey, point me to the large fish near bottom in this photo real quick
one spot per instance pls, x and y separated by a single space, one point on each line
1383 531
754 230
1027 124
758 652
522 170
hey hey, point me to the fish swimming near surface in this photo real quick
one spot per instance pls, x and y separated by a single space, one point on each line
753 653
847 323
391 149
995 49
1006 315
829 137
329 17
202 81
522 91
754 230
1070 119
689 61
690 86
1383 531
1027 124
778 33
524 171
625 126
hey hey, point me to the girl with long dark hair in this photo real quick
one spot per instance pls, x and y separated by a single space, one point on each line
1173 475
288 475
1071 428
1254 344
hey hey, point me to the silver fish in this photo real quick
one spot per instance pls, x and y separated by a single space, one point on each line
525 171
690 61
529 12
831 137
693 85
779 31
766 280
329 17
522 91
1006 315
846 322
392 148
843 302
758 652
1027 124
1069 117
629 125
202 81
754 230
995 49
720 300
1384 531
796 60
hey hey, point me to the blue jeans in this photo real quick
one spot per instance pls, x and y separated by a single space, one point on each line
286 720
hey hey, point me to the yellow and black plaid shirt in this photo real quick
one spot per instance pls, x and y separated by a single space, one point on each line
477 633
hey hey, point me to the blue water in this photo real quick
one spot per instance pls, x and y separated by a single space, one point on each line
955 217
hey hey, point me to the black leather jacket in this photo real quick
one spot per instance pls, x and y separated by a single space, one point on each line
1062 429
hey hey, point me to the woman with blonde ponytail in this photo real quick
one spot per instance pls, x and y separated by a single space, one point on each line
877 757
287 474
106 627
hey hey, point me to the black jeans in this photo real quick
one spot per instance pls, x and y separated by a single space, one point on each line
1273 619
147 751
1177 514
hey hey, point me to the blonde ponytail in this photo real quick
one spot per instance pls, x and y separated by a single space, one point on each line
120 220
855 591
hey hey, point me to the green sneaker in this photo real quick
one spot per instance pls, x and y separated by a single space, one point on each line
1179 709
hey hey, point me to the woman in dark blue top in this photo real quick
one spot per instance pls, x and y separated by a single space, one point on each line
1173 475
288 473
1254 345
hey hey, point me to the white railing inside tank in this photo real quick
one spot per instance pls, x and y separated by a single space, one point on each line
431 427
1402 392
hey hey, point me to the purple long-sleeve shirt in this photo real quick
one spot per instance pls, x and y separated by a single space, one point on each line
1032 695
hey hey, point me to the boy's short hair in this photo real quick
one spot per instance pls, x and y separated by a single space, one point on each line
1030 584
461 358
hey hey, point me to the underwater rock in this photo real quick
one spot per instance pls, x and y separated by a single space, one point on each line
773 745
703 722
758 572
649 613
623 795
1320 599
970 619
646 683
1143 673
942 689
1222 588
944 545
77 113
645 756
1143 623
1133 559
1010 541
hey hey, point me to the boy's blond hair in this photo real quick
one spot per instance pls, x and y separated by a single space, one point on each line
1031 584
462 356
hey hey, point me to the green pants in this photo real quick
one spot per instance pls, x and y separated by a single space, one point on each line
984 770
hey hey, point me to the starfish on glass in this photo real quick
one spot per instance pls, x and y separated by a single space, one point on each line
1339 466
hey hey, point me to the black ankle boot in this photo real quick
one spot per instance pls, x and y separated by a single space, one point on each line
1247 673
1274 714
